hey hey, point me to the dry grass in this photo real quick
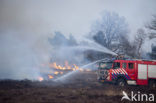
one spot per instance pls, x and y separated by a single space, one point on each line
78 90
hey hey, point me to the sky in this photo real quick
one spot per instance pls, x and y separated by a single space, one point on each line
70 16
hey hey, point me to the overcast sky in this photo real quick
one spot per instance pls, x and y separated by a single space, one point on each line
70 16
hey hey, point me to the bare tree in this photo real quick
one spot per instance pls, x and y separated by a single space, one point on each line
109 29
153 53
126 47
139 40
152 27
152 35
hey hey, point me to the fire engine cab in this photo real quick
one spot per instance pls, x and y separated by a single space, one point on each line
122 72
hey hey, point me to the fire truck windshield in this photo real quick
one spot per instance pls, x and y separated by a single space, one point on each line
105 65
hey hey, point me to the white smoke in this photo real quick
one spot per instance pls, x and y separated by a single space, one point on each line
23 40
24 31
20 58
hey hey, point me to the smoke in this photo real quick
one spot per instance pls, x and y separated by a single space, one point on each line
74 50
21 57
23 41
24 32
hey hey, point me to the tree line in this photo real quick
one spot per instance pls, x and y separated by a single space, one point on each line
112 32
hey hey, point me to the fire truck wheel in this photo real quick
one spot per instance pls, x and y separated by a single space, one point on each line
121 82
152 84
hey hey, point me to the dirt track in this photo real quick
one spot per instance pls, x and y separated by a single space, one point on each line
82 89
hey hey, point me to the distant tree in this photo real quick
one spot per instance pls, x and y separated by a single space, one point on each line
126 47
152 27
60 40
153 53
109 30
139 41
71 40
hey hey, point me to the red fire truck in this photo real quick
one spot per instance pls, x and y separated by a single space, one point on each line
122 72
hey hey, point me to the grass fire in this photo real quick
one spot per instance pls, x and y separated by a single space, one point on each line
56 70
77 51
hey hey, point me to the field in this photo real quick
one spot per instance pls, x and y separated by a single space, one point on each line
81 88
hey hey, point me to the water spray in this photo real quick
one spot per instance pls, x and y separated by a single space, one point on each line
73 72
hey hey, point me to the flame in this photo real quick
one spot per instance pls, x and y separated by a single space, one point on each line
66 64
81 70
54 65
61 72
88 70
40 79
66 67
50 76
56 72
56 69
76 67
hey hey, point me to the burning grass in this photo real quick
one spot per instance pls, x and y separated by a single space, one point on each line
57 70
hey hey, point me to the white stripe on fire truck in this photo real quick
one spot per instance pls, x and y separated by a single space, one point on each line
121 71
124 71
113 71
118 71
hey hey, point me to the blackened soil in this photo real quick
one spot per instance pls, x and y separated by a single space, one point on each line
81 88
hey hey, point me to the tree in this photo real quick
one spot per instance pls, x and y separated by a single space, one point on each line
153 53
152 35
152 27
109 30
127 47
60 40
139 40
72 40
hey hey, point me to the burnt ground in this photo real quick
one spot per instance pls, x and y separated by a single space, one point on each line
83 88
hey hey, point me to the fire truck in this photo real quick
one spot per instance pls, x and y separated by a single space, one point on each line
123 72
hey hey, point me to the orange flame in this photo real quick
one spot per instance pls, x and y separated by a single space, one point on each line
61 72
50 76
61 68
88 70
56 72
81 70
66 67
40 79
